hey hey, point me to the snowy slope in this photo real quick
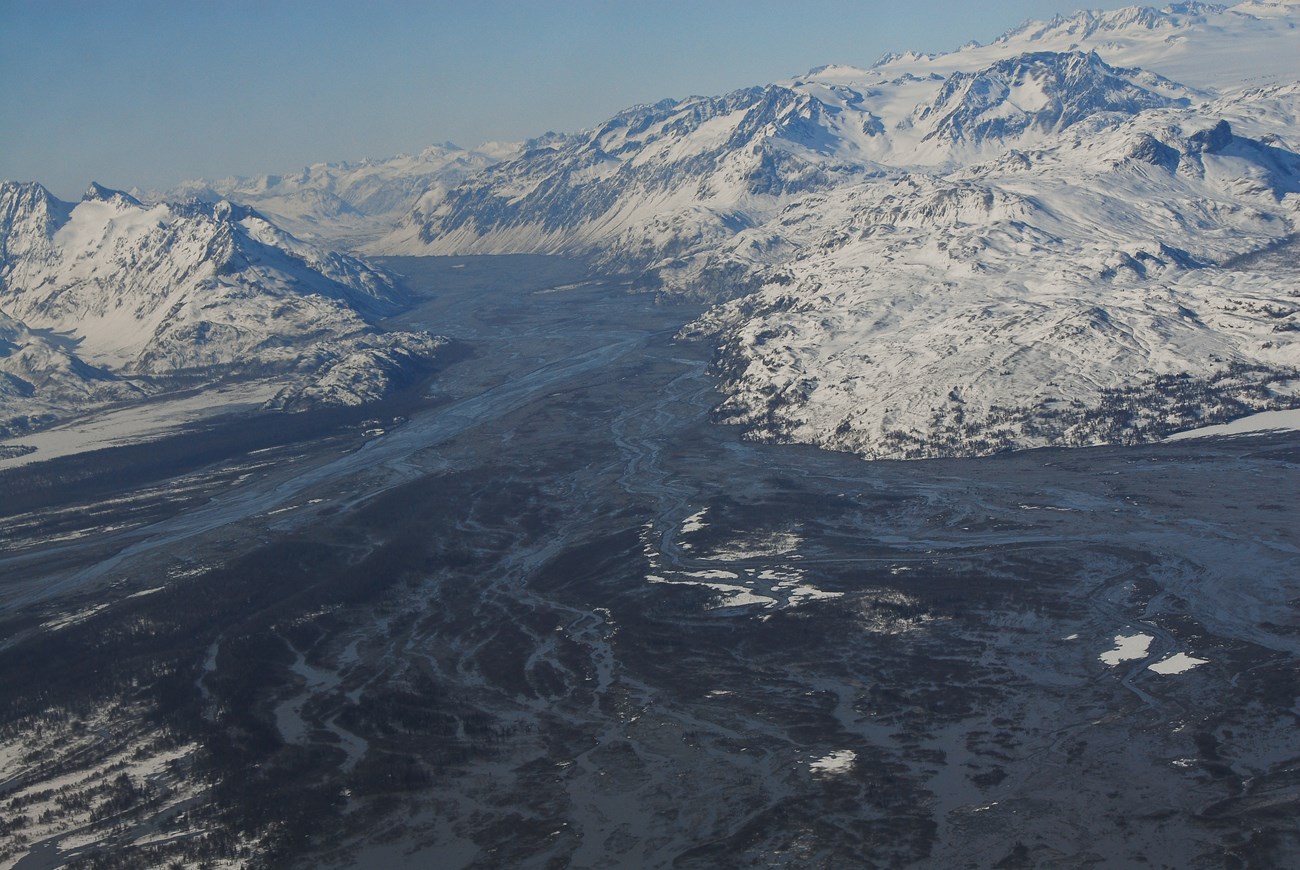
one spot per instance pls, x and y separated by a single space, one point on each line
109 297
1116 281
1092 292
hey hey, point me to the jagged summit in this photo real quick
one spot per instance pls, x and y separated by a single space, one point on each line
29 217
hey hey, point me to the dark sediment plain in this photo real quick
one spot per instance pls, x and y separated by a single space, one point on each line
541 612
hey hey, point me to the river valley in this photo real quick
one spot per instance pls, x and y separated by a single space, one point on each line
543 612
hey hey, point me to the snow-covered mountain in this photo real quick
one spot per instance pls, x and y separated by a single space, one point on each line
349 204
1081 232
1203 45
654 183
662 188
1040 240
657 185
1094 292
41 376
109 299
659 188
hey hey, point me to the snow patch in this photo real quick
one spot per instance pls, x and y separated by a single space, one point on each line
695 522
1178 663
837 763
1127 648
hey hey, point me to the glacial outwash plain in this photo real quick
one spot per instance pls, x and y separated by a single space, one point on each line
886 467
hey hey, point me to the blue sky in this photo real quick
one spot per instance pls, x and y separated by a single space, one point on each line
135 93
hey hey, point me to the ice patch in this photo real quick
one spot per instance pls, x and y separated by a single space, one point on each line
791 583
1127 648
800 594
143 592
737 596
729 595
776 586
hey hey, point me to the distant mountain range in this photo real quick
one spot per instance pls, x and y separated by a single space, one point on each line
1080 233
349 204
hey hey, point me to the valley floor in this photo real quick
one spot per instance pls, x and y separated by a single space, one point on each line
549 614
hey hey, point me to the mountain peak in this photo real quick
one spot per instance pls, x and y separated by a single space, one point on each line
1040 90
25 190
96 192
28 204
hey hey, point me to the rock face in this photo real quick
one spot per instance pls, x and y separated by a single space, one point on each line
109 299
